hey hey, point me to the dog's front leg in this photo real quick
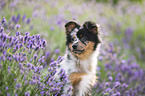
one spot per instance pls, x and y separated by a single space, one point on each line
75 79
82 83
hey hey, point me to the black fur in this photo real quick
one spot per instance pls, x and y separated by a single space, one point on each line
88 36
84 34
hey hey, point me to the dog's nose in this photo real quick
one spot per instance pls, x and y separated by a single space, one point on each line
75 46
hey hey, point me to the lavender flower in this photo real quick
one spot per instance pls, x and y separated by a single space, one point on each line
28 20
27 94
110 78
17 33
22 59
17 18
52 28
13 18
129 33
57 51
7 88
18 26
1 29
8 94
124 73
23 18
3 20
18 85
117 84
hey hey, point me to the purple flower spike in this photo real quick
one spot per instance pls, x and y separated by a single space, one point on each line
57 51
17 33
27 94
47 54
52 28
129 32
118 94
18 26
8 94
47 93
17 19
3 20
27 33
35 56
117 84
18 85
37 48
107 90
52 59
2 29
4 52
4 38
124 85
28 21
42 92
110 78
13 18
44 43
23 18
7 87
106 84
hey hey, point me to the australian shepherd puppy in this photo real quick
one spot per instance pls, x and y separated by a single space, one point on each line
80 60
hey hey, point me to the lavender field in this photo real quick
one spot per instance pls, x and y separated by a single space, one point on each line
32 43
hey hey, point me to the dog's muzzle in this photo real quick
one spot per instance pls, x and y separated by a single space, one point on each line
76 50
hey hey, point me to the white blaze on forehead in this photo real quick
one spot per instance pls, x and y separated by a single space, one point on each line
81 27
74 34
74 31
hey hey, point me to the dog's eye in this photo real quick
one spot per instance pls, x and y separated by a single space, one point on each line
83 39
73 38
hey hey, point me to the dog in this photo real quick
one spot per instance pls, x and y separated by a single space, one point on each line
80 60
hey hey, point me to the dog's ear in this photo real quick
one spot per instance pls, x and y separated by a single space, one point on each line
70 26
91 26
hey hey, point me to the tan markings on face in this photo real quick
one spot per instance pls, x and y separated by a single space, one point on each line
69 28
70 46
88 50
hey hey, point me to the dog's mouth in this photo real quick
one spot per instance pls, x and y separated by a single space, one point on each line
78 51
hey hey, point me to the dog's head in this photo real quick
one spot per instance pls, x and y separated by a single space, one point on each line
82 40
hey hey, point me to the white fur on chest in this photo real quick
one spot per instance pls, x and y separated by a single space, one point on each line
73 64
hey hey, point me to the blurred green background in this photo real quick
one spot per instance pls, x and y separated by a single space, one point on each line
121 21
